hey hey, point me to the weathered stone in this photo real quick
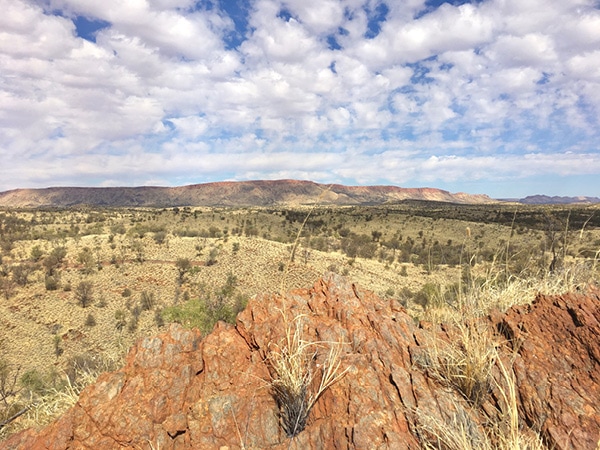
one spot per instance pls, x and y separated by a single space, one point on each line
179 391
557 366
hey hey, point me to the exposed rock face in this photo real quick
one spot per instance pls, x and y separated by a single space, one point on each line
557 369
179 391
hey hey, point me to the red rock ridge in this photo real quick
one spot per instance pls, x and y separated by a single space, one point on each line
228 193
179 391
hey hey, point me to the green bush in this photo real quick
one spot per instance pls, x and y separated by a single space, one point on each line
204 313
33 381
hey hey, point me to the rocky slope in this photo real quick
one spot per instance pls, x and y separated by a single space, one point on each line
243 193
179 390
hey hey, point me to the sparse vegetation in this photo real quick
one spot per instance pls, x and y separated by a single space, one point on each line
445 263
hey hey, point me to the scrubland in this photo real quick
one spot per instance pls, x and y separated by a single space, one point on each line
79 286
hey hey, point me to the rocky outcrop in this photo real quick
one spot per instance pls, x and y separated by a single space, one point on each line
180 391
556 341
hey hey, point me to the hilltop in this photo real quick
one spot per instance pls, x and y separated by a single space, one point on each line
396 385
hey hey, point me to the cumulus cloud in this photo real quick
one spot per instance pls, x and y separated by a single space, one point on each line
355 91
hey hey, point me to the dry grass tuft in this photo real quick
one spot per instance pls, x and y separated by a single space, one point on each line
297 380
465 363
461 432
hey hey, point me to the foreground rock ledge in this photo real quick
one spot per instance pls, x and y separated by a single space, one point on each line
179 391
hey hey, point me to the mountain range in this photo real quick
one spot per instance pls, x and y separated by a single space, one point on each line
249 193
556 200
230 193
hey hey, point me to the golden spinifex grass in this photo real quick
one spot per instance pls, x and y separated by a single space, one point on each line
465 363
297 380
462 431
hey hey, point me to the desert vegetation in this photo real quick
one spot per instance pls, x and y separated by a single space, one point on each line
79 286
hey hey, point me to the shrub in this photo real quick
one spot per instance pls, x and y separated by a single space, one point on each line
183 266
90 320
86 259
204 313
33 381
212 257
84 293
147 301
36 253
428 296
51 283
21 273
359 245
159 237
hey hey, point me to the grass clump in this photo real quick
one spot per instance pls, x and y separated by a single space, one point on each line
460 430
297 382
465 363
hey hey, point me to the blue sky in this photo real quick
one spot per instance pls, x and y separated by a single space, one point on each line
500 97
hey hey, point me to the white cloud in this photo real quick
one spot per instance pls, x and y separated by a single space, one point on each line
494 90
319 16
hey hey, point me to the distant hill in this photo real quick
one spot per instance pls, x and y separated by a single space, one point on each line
242 193
556 200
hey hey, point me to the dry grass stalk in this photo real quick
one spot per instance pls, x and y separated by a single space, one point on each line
469 374
295 371
458 432
465 363
461 432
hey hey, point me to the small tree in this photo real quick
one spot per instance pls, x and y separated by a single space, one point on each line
36 253
54 259
21 273
183 266
84 293
51 283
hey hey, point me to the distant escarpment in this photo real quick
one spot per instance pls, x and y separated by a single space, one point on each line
557 200
242 193
180 390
